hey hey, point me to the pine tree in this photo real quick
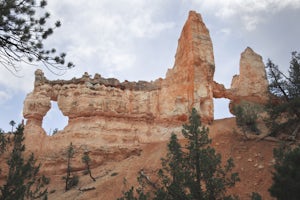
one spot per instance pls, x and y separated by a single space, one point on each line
191 172
23 180
23 30
12 123
3 141
286 177
198 171
70 181
86 160
172 174
284 111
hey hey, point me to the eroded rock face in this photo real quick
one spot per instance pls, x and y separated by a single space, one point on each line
108 112
189 83
251 84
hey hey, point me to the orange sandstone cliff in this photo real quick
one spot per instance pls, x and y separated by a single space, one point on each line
133 112
108 112
111 118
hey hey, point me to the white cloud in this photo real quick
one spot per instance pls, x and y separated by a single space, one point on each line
249 12
4 96
229 8
101 36
251 22
119 62
21 81
225 31
143 26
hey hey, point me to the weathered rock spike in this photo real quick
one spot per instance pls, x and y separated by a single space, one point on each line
194 67
251 84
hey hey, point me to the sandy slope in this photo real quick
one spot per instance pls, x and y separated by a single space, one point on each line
253 161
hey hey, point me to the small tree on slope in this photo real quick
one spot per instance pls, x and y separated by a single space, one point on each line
70 181
191 172
23 180
87 161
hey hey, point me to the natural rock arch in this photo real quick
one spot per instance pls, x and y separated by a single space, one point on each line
120 110
54 120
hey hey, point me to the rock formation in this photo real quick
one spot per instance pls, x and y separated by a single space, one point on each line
189 83
250 85
111 113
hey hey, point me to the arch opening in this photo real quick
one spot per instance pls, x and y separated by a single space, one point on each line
221 108
54 120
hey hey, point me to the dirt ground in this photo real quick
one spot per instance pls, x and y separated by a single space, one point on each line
253 161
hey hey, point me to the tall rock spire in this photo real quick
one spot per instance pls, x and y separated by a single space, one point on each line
192 75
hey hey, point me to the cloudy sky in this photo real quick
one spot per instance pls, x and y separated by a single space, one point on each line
137 39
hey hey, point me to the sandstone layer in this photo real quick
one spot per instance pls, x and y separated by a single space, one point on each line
113 119
107 113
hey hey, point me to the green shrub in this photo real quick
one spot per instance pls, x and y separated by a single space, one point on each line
286 177
74 180
246 114
255 196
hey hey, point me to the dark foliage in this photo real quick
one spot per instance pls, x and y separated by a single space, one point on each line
23 30
246 114
23 180
255 196
70 181
3 141
12 123
87 161
284 106
286 177
191 172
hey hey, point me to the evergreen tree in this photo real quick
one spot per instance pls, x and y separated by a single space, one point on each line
70 181
172 173
54 131
12 123
286 177
23 180
191 172
86 160
284 107
23 30
3 141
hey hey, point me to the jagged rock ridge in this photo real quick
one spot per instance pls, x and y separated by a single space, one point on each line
110 113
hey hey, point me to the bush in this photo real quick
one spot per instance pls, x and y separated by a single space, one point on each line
286 177
255 196
246 116
73 181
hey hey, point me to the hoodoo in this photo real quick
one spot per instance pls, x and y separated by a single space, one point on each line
110 113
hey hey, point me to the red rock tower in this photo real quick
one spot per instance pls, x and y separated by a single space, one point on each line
190 80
